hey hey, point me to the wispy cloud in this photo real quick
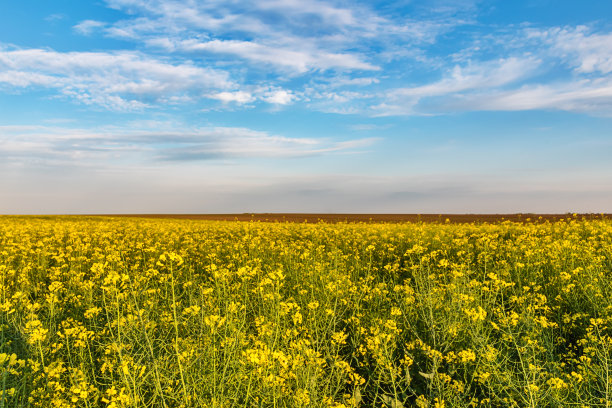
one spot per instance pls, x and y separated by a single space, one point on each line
592 97
516 83
460 80
298 58
87 27
119 80
251 17
55 17
579 47
368 127
477 75
110 146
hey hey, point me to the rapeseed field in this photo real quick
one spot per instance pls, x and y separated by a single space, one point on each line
110 312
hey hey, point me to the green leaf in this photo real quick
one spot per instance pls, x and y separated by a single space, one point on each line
392 402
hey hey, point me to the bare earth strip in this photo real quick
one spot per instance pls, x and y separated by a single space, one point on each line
373 218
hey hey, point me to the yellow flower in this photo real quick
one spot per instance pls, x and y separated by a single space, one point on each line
36 333
339 338
297 318
557 383
214 321
466 356
476 314
532 388
92 312
355 379
302 397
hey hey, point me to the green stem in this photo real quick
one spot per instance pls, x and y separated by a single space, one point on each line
176 336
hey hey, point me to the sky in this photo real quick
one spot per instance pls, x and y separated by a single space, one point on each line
409 106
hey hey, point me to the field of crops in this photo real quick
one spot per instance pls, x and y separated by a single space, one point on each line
109 312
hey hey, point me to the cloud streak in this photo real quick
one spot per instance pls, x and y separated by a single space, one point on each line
584 96
119 80
460 80
297 59
579 47
62 146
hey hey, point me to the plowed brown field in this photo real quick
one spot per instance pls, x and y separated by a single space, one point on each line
333 218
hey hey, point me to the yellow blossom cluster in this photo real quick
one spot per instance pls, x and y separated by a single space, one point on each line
120 312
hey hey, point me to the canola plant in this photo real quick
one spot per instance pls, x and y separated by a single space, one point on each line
116 312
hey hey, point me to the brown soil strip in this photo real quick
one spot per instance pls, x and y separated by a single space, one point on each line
372 218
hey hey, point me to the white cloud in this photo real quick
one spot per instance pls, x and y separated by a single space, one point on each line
236 15
474 77
477 75
358 81
23 79
326 11
587 52
55 17
512 84
586 96
368 127
340 102
279 97
348 22
299 58
86 27
275 96
240 97
119 80
110 146
507 84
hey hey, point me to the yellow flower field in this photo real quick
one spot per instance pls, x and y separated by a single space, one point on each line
110 312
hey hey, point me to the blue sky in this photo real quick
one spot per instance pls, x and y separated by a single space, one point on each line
305 106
